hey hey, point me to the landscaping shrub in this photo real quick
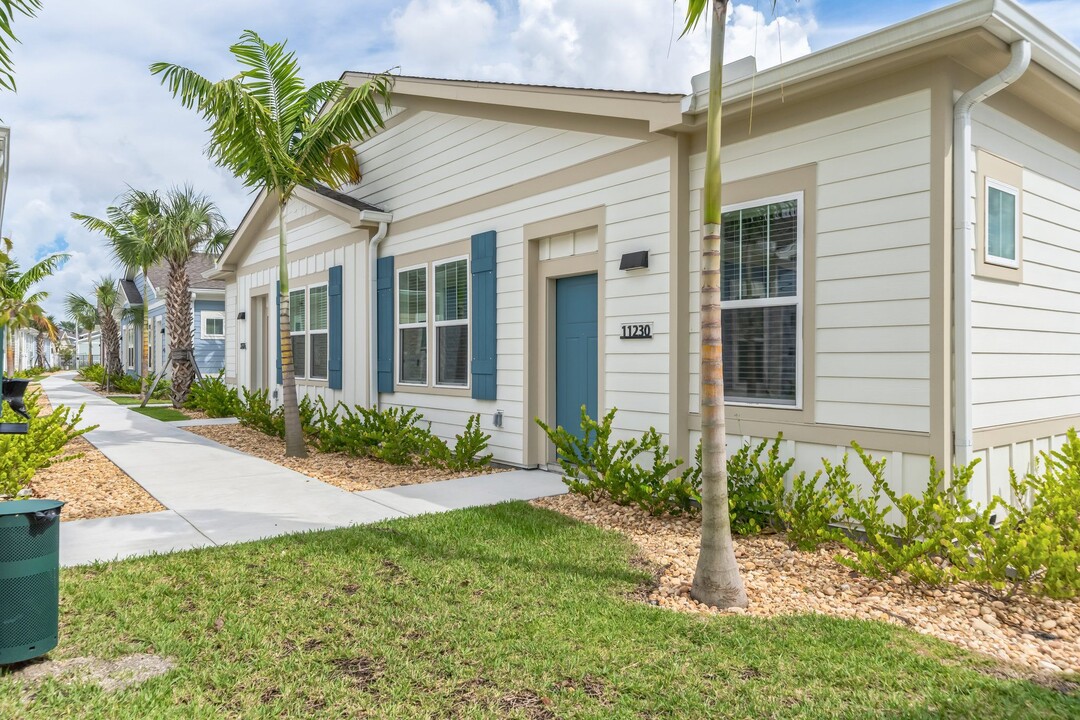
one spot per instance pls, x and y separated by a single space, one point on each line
469 447
94 373
257 412
596 466
756 487
21 456
212 396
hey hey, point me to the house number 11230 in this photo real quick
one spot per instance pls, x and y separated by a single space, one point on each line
638 331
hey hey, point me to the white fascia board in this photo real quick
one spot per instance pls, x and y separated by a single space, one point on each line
1003 18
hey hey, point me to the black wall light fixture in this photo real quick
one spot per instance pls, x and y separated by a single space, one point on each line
634 260
242 315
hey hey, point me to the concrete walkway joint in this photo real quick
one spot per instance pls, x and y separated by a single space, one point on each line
217 495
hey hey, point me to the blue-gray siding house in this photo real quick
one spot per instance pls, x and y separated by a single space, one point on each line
208 318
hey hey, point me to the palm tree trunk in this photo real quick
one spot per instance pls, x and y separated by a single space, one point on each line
39 348
178 307
110 333
145 338
716 580
294 433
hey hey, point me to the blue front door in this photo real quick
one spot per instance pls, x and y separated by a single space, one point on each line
575 350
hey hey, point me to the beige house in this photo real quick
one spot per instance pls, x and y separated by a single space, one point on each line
902 256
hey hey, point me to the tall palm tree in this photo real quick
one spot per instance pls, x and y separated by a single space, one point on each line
19 307
8 8
191 223
83 314
133 230
107 297
276 134
716 579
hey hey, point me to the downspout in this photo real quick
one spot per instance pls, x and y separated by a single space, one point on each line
373 313
964 245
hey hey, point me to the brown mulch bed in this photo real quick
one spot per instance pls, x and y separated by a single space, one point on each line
349 473
1039 633
90 485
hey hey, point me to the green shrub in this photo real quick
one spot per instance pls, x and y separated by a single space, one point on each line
212 396
807 512
596 466
93 373
257 412
756 486
21 456
468 448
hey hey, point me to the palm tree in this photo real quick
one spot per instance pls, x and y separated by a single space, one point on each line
191 223
107 297
19 307
276 134
716 580
83 314
133 230
46 327
8 8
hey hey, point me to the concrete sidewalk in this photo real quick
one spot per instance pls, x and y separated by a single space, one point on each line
217 495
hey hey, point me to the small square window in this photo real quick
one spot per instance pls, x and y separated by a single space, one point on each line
1002 224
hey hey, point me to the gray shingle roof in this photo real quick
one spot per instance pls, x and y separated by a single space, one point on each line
343 198
197 265
131 292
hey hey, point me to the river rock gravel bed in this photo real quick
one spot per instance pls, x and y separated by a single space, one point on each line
1039 633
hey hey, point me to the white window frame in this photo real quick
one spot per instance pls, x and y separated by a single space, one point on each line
213 315
129 340
989 258
303 332
467 322
399 326
797 300
309 348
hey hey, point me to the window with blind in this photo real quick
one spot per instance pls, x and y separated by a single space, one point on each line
412 326
452 323
439 318
760 283
318 339
298 330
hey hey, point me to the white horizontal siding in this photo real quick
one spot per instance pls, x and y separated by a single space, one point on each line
872 258
634 222
432 160
1026 337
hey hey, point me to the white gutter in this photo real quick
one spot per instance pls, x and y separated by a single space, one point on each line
373 309
964 246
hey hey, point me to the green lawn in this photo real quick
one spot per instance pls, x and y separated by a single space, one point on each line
501 612
166 414
126 399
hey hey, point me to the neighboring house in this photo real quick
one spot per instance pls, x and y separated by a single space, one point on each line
83 347
22 354
208 318
538 250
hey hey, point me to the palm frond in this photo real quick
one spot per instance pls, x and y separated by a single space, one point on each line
8 8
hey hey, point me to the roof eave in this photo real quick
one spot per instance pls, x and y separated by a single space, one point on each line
1002 18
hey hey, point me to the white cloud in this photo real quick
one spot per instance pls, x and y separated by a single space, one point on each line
443 32
89 119
772 42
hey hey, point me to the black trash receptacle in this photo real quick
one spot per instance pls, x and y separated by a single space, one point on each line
29 578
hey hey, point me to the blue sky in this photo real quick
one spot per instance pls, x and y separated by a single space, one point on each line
89 120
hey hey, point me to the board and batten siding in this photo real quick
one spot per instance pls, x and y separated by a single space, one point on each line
1026 336
636 202
872 261
338 244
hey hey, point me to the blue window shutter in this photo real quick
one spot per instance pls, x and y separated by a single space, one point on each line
277 326
385 330
334 296
483 316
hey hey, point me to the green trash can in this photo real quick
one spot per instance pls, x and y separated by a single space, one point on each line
29 578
